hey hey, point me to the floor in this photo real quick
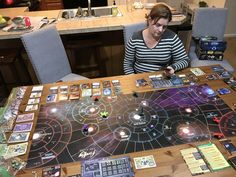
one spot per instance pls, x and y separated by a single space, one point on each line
230 55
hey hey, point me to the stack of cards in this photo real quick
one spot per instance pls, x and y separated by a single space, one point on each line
74 92
213 156
86 90
52 97
116 87
63 93
34 100
194 161
107 91
144 162
18 137
141 82
96 89
53 171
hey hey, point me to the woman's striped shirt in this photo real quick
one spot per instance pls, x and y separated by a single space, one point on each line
168 52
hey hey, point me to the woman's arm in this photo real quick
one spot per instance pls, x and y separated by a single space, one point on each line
179 55
129 58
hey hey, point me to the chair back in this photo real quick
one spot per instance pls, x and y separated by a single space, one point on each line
47 54
128 30
209 22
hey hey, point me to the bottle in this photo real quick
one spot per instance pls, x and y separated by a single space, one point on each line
114 9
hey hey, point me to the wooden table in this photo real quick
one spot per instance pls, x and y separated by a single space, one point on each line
169 160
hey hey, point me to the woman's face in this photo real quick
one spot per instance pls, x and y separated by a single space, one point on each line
158 28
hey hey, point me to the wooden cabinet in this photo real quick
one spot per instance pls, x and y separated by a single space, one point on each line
51 4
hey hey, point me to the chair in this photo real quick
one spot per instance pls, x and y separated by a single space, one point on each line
47 54
208 22
128 30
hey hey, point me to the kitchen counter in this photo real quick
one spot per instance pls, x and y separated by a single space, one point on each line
87 25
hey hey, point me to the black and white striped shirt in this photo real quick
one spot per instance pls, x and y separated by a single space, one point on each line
168 52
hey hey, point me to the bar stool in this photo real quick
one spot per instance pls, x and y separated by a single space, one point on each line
8 59
90 45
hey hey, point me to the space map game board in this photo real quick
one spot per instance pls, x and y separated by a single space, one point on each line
76 130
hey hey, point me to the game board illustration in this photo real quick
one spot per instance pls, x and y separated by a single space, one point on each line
84 129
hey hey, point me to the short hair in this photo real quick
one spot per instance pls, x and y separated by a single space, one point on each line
160 11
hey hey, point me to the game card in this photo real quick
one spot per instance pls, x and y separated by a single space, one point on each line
115 83
18 137
74 96
3 150
74 88
25 117
141 82
51 98
144 162
32 107
96 85
86 86
63 96
35 94
86 92
16 150
37 88
106 84
107 91
53 171
24 127
33 100
64 89
96 92
54 90
197 71
217 68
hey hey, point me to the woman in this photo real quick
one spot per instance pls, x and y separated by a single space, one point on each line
155 47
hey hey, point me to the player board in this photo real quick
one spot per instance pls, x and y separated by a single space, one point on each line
85 129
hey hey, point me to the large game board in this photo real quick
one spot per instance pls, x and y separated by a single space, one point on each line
87 128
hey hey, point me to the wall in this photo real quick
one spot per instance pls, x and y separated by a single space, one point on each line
231 25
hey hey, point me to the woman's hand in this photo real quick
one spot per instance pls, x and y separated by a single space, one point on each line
168 71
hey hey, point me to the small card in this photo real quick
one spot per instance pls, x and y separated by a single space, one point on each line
144 162
3 150
18 137
115 83
32 107
25 117
74 95
37 88
106 84
96 92
51 98
53 171
96 85
86 92
217 68
63 96
24 127
33 100
35 94
107 91
54 90
141 83
117 90
74 88
16 150
197 71
64 89
223 91
86 86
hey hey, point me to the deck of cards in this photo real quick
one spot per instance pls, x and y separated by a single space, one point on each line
144 162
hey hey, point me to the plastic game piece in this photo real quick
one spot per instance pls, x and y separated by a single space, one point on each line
216 120
135 94
104 114
218 135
